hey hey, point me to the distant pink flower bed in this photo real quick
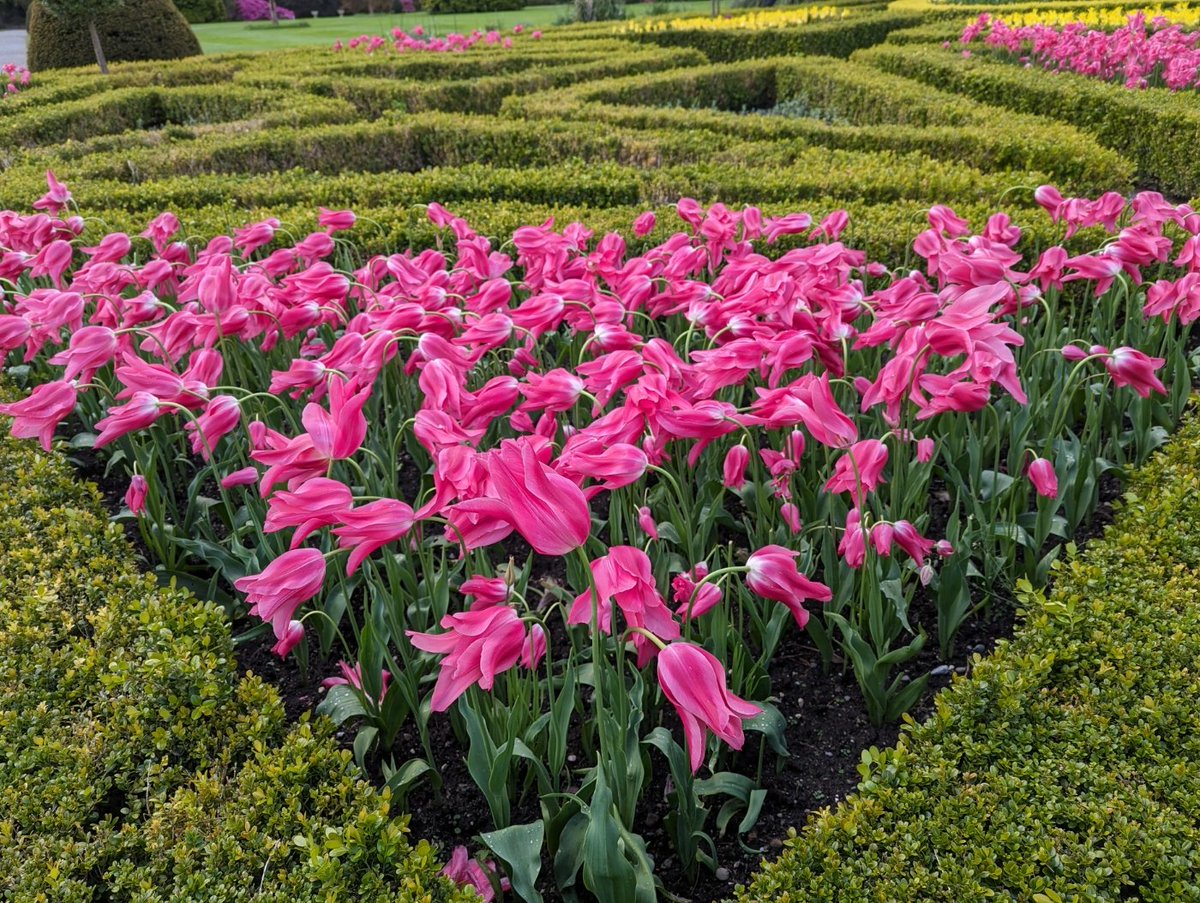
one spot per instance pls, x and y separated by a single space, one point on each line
1139 54
258 11
14 78
404 42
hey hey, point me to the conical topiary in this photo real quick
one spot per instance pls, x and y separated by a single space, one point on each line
134 30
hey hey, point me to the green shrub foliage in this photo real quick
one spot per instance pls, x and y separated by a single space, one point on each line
196 11
135 763
470 6
137 30
1067 766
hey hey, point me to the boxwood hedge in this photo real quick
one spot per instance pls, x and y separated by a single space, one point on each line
1156 129
135 763
1067 766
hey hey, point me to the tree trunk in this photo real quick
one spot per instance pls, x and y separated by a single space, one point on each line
273 11
97 47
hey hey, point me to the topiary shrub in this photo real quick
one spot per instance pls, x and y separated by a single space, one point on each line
139 30
196 11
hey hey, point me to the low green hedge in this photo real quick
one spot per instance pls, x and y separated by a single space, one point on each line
469 6
838 37
135 763
1158 130
810 174
1067 766
149 108
876 111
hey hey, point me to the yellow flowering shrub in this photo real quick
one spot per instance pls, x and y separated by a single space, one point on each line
756 20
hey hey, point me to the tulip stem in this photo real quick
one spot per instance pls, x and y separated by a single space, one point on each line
712 577
646 633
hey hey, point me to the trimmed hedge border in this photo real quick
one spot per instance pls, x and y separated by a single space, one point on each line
1067 766
135 763
1158 130
877 111
837 37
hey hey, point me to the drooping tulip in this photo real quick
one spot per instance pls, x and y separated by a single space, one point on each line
545 507
370 527
478 645
316 503
135 495
38 415
284 585
694 682
772 574
1133 368
859 470
625 576
733 471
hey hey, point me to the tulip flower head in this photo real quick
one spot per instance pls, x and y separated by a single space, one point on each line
135 496
284 585
772 574
694 682
1043 477
478 645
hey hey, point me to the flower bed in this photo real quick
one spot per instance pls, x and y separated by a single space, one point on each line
1139 54
558 499
1065 767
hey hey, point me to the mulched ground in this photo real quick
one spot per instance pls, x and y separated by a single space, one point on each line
827 731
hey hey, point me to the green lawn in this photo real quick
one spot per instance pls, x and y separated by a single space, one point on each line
224 37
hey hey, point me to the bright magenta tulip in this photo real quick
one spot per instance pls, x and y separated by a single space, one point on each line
694 682
772 574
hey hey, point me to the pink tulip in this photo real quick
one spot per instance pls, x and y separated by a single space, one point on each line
316 503
1044 479
646 522
558 390
352 677
625 576
478 645
1133 368
613 464
467 872
772 574
547 509
54 200
136 414
370 527
791 516
853 544
859 470
38 415
90 349
487 591
287 583
925 450
694 682
336 220
734 469
692 597
222 414
243 477
912 542
644 224
135 495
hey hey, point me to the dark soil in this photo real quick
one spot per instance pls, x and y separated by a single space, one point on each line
827 728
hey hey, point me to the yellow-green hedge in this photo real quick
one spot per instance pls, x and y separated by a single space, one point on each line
1156 129
1067 766
135 762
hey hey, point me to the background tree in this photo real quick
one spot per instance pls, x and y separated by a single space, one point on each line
86 11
